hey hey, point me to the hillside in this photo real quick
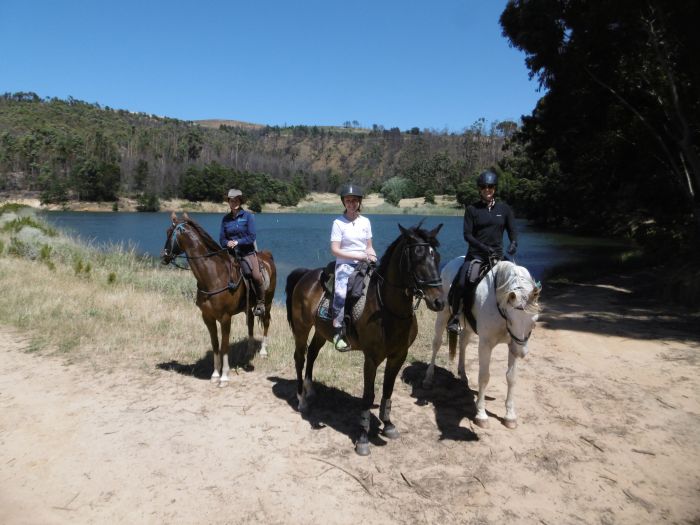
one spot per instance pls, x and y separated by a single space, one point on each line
74 149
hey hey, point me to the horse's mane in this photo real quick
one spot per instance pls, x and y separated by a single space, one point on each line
511 278
415 230
208 241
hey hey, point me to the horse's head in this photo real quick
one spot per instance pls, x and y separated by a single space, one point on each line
172 248
422 264
518 301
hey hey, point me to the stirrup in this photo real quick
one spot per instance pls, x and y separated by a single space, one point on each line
340 343
453 326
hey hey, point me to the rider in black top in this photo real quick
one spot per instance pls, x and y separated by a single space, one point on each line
484 223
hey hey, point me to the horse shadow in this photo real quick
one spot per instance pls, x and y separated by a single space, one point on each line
451 398
330 407
239 355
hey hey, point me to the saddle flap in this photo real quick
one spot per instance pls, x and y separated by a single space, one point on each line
327 278
357 292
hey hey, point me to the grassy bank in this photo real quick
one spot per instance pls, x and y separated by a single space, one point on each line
114 309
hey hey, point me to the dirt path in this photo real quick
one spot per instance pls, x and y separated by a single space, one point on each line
609 421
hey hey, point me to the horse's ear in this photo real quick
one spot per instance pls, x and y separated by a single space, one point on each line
173 217
433 233
404 231
185 216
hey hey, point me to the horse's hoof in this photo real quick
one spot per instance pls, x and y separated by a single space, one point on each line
390 432
510 423
303 406
263 352
362 449
223 383
481 423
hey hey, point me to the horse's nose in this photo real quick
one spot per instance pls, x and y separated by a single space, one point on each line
439 305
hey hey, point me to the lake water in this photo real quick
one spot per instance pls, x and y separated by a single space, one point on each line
303 240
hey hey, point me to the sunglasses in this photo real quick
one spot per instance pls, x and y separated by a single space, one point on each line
487 186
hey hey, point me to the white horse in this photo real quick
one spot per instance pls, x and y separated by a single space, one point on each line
506 310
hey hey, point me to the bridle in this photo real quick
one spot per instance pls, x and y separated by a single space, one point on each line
179 228
415 284
520 341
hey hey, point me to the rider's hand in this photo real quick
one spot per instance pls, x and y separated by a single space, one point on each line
232 244
512 248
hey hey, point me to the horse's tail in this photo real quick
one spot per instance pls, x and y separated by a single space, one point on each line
292 281
452 344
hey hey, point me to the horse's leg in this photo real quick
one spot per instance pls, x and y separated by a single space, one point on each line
440 325
225 336
317 342
393 365
250 322
266 327
211 326
511 419
485 349
463 342
299 358
370 373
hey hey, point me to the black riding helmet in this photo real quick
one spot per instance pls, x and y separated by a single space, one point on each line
487 178
351 189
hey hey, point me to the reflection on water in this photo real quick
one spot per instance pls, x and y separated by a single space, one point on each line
303 240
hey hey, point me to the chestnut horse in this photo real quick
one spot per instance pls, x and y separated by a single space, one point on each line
386 328
222 292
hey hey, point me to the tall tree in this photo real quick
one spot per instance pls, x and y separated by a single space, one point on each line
621 111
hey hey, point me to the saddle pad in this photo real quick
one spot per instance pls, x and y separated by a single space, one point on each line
324 308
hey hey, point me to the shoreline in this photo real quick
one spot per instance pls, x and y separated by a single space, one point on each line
313 203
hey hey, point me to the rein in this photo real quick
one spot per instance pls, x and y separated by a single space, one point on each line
415 284
231 286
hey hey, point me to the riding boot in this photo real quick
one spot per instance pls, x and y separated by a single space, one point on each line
453 325
260 299
339 341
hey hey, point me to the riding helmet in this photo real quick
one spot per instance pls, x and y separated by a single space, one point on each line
350 189
487 178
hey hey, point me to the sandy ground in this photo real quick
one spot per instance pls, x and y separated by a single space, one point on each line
608 433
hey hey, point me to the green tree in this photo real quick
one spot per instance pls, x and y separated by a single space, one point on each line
621 113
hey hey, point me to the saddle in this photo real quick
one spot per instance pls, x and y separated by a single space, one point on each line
356 295
475 271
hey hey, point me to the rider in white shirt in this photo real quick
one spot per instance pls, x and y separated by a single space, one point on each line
351 242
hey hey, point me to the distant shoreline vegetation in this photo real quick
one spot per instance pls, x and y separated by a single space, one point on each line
311 203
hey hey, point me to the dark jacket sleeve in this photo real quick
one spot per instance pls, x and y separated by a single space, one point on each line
222 233
250 235
510 226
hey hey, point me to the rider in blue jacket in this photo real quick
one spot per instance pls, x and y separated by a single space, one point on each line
238 233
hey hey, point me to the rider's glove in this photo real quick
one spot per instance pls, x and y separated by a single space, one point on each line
512 248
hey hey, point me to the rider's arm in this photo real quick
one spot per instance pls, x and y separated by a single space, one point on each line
371 254
222 233
511 227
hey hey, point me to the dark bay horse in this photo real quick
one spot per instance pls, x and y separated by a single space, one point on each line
222 292
386 328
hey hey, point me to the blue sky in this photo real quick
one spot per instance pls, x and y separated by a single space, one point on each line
438 64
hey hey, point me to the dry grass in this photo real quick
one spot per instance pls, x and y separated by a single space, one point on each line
116 310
